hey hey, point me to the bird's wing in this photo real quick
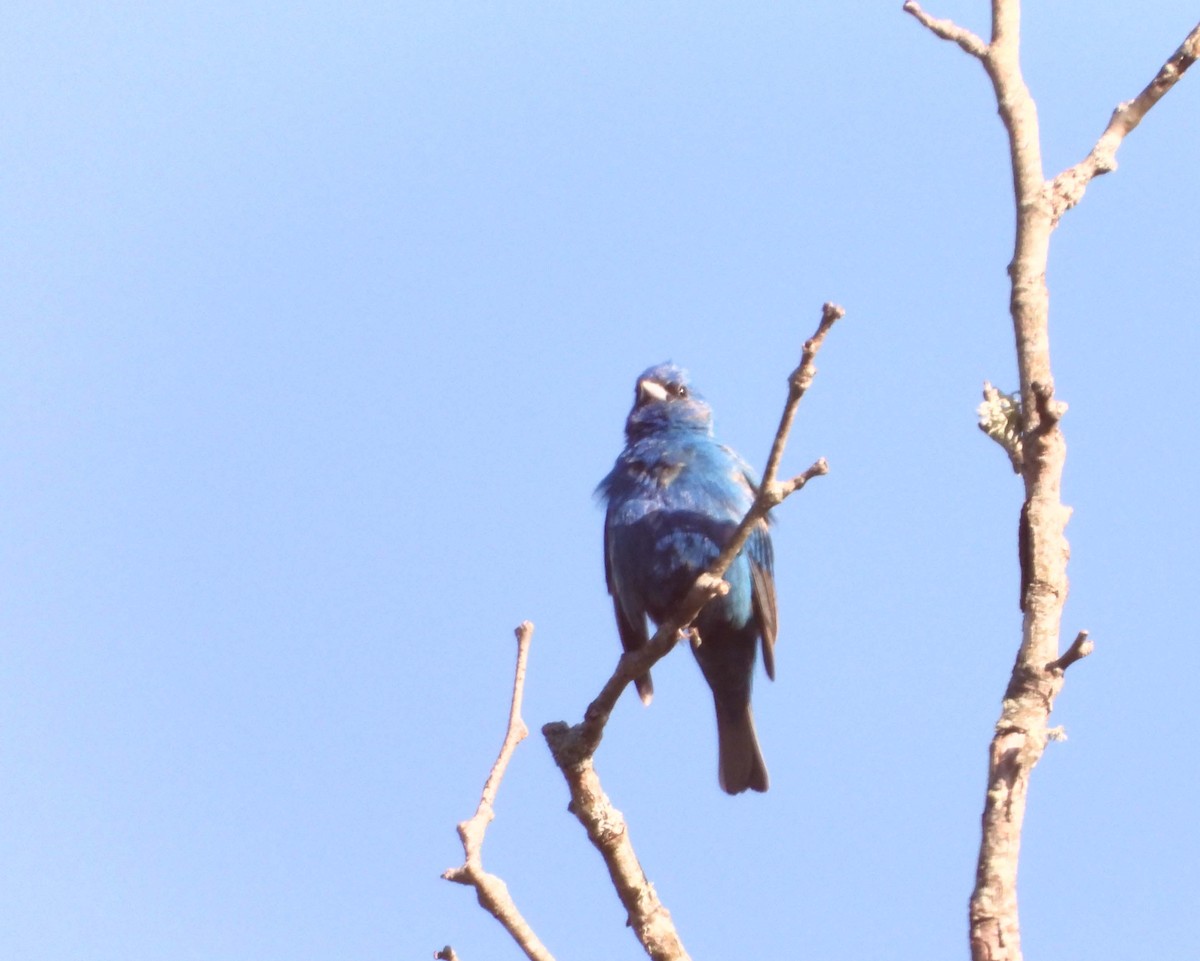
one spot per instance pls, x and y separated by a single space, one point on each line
762 579
762 566
761 556
631 619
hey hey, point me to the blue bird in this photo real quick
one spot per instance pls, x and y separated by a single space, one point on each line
674 498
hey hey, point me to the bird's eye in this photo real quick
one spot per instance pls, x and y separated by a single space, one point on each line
680 391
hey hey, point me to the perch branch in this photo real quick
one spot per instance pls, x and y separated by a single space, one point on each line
1066 190
574 747
491 890
446 954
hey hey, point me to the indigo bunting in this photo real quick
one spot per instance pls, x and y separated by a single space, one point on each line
674 498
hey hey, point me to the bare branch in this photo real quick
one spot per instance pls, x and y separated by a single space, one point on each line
1066 190
799 382
819 469
1039 454
949 30
1020 738
770 492
446 954
1080 648
573 747
491 891
606 828
1037 677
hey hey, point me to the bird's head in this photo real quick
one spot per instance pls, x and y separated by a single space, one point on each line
663 400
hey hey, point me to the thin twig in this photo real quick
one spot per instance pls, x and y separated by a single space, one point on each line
1080 648
491 890
799 382
1066 190
949 30
573 747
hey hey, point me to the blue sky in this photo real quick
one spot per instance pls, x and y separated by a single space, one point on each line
322 322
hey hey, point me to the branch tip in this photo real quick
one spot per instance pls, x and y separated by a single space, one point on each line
1080 648
799 381
819 469
948 30
831 313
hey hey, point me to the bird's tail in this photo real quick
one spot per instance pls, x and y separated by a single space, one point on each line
741 764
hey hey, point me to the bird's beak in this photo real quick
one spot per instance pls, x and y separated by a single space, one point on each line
649 390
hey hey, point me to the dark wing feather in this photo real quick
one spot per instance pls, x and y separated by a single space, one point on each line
631 625
762 579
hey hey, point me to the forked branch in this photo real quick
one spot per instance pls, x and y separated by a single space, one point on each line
1038 452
